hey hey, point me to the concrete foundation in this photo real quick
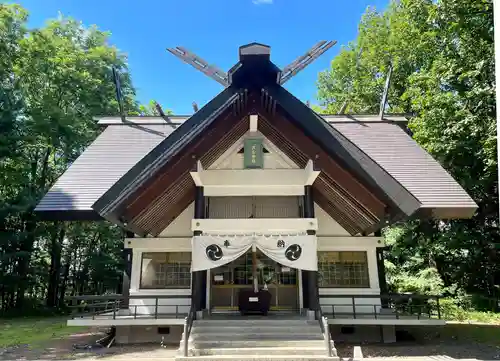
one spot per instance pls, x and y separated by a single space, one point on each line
388 334
148 334
363 333
355 334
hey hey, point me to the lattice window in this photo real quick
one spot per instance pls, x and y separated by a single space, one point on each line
166 270
239 272
254 207
343 269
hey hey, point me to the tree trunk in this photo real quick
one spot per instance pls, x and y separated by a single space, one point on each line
23 264
30 225
64 283
55 264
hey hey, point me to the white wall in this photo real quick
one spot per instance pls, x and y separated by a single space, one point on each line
361 305
327 226
148 305
331 237
181 226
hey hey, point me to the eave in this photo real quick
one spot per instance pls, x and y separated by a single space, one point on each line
346 153
138 175
171 188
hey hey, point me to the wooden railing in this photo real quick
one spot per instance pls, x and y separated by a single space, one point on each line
383 306
113 306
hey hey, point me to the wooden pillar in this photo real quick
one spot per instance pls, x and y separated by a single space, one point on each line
127 272
382 281
199 278
309 278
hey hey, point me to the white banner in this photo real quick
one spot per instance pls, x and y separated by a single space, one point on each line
214 251
296 251
300 252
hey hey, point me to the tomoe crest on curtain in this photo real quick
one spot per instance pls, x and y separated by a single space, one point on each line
297 251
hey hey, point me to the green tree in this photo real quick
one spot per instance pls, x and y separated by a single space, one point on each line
443 72
12 30
58 77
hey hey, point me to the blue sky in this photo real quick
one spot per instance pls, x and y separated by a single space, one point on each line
213 29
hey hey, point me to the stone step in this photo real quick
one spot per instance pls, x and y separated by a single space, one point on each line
254 329
256 322
256 336
200 344
261 351
297 357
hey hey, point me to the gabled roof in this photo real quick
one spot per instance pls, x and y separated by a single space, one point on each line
351 156
257 76
400 175
165 150
114 152
411 166
120 146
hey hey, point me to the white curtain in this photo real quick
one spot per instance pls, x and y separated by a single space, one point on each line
296 251
214 251
300 252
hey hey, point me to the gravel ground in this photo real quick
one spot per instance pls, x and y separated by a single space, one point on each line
63 349
445 346
443 350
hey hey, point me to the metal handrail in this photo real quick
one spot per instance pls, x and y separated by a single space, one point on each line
188 324
400 305
109 306
323 324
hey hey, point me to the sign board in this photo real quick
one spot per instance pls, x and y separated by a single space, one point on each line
253 153
218 278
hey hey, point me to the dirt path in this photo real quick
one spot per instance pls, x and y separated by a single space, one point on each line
63 349
447 346
437 351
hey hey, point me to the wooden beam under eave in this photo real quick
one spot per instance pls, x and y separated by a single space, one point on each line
301 148
196 174
167 203
344 221
170 172
172 214
357 215
311 173
253 123
164 202
225 142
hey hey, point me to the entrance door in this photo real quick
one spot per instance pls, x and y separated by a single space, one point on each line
227 280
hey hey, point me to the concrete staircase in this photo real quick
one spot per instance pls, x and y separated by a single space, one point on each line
255 339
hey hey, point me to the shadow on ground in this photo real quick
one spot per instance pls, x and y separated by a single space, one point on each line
63 349
458 341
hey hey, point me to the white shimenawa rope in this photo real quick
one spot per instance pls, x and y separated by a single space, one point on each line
259 235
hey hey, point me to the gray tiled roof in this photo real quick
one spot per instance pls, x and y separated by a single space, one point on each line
119 147
105 161
414 168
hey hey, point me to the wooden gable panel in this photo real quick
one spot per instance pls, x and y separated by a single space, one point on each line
344 205
170 195
179 165
300 148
